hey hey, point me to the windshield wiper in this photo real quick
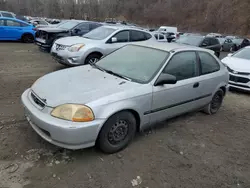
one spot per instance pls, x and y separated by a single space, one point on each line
97 67
118 75
109 71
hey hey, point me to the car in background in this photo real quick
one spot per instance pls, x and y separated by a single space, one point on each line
45 37
88 49
238 65
106 103
160 37
14 29
7 14
170 32
39 22
241 43
227 45
217 35
211 43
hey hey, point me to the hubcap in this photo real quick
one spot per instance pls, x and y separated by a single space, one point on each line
93 60
118 132
216 102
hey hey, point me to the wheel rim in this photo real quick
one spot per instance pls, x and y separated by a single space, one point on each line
118 132
93 60
216 101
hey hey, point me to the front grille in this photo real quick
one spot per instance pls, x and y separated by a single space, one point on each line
238 79
239 85
60 47
38 101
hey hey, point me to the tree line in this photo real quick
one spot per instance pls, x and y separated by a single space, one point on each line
225 16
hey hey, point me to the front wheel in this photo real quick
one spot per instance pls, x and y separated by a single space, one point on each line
117 132
92 58
216 103
27 38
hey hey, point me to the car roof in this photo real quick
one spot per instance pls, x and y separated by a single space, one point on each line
170 46
14 19
122 27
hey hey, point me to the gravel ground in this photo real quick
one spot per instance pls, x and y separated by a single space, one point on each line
191 151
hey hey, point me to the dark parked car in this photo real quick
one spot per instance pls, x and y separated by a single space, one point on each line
46 36
202 41
241 43
227 45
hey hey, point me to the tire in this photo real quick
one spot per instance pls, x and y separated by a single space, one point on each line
92 58
110 140
215 104
27 38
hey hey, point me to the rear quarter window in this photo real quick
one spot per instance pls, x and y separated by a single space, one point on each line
208 63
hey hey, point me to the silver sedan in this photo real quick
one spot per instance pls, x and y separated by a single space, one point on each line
132 88
73 51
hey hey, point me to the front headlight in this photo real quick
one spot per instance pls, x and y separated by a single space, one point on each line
76 47
73 112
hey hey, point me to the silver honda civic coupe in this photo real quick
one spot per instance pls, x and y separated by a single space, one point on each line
106 103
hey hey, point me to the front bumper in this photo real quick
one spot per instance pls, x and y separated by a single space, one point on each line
66 57
42 45
239 81
65 134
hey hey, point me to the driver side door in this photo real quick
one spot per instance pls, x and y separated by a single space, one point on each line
170 100
122 38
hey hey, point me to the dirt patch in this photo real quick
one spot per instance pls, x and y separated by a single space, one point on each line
193 150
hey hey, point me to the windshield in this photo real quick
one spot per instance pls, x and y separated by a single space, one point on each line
69 24
99 33
244 54
140 64
190 40
237 41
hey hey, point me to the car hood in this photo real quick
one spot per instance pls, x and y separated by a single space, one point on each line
79 85
53 29
237 64
68 41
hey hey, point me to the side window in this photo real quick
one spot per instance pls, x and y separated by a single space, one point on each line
182 65
159 36
83 27
1 22
229 41
208 63
148 36
94 25
122 36
24 25
137 36
12 23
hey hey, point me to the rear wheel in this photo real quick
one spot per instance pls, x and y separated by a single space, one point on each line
27 38
92 58
216 103
117 132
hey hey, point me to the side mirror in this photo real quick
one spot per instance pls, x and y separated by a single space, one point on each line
229 55
165 79
204 44
76 30
113 39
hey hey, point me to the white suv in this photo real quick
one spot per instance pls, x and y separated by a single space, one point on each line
73 51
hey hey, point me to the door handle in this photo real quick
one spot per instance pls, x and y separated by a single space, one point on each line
196 85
